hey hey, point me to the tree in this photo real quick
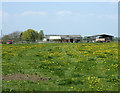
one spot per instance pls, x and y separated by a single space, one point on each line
85 38
15 36
21 36
41 35
115 38
5 38
29 35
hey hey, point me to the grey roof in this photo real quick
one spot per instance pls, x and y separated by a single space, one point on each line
100 35
66 35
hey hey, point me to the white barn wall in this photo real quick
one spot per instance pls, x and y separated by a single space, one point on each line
55 37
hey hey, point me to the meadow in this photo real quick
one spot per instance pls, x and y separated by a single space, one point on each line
60 67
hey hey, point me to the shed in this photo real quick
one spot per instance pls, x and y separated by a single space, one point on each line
64 38
100 38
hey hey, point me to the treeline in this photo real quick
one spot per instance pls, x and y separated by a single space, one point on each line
29 35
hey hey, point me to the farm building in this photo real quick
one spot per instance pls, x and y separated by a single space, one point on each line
63 38
100 38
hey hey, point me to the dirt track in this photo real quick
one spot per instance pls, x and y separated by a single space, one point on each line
24 77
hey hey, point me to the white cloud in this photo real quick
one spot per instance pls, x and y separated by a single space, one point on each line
85 15
64 13
42 13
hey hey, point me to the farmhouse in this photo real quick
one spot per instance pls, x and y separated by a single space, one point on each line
100 38
63 38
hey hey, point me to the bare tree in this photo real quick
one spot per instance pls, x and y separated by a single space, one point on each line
15 36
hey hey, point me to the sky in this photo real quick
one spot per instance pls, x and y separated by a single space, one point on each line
61 18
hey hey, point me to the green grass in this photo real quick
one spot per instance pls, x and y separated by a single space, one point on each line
69 66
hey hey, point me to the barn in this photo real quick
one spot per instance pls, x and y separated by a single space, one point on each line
100 38
64 38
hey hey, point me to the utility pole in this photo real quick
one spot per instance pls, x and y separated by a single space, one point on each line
1 35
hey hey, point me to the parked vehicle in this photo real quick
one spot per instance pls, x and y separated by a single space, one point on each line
9 42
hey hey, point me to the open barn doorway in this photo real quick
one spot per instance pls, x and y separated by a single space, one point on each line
71 40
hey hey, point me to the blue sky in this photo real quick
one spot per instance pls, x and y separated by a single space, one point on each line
84 18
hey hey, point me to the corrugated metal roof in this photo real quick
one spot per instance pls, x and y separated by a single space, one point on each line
100 35
65 35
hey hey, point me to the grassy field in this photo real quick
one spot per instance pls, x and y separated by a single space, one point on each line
60 67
